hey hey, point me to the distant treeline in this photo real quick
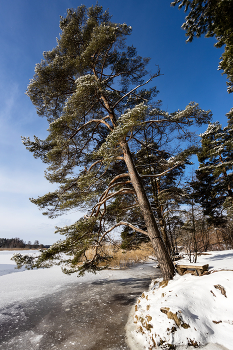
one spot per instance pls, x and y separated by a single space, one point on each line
19 243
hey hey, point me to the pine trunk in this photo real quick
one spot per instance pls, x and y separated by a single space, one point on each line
164 259
155 190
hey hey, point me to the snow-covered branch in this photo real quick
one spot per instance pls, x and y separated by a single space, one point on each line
137 87
164 172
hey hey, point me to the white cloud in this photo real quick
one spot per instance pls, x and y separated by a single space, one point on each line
9 97
30 182
27 222
18 216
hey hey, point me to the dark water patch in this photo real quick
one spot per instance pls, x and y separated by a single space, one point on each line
88 315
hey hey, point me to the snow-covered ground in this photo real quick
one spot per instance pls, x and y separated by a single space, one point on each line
196 310
46 309
190 310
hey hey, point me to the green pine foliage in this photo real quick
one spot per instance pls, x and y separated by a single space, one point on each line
213 187
212 18
91 89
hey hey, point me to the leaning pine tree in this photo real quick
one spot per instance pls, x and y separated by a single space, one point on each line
91 89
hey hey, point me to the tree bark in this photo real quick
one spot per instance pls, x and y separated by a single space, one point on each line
155 191
161 217
164 259
229 190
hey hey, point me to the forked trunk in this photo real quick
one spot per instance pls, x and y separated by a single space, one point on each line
164 259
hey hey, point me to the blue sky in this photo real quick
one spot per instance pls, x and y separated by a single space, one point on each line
30 27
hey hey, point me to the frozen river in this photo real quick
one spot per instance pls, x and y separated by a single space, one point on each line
45 309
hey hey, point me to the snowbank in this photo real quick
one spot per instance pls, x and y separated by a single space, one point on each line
190 310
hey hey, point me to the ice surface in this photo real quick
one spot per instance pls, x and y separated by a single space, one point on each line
20 286
45 309
197 298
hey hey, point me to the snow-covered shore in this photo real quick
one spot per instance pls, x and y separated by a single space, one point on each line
196 301
190 311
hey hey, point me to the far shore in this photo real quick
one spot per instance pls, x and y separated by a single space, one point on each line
1 249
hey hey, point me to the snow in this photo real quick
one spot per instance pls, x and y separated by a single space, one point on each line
196 301
20 289
195 310
18 286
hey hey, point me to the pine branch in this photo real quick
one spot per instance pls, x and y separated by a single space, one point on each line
137 87
105 57
133 93
99 121
130 207
122 223
164 172
113 185
122 191
98 161
118 177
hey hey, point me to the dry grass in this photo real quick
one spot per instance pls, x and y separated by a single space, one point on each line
124 258
120 258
